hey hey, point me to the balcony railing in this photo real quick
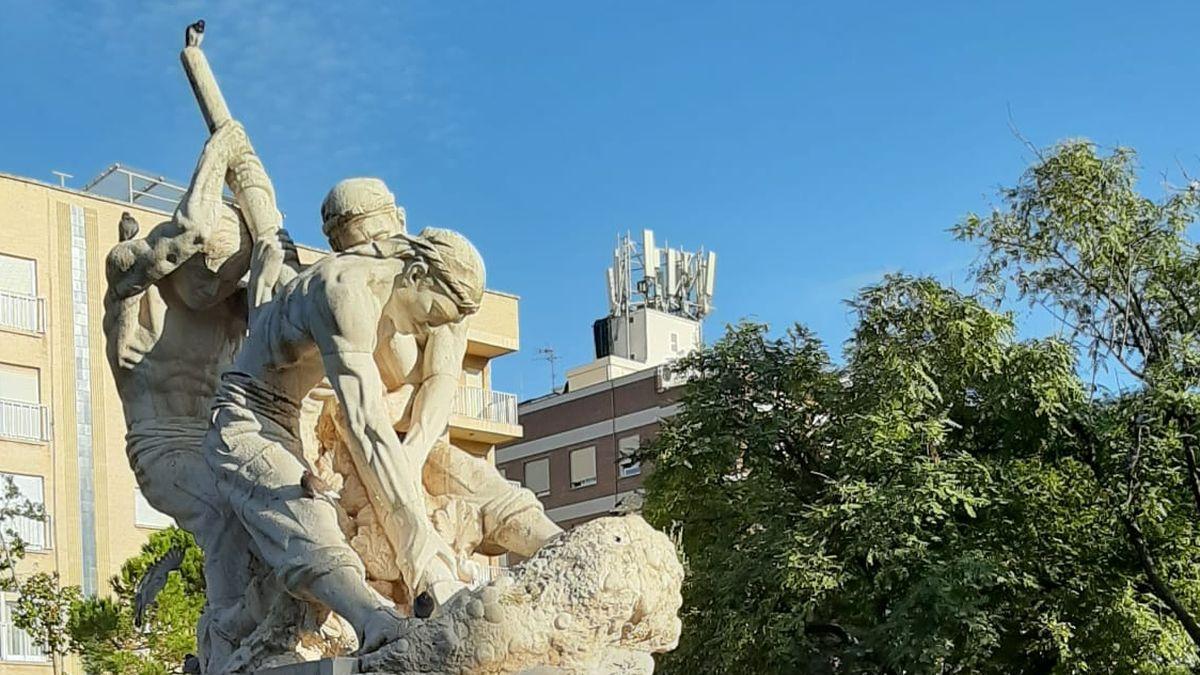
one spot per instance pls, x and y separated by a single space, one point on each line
485 404
486 574
22 312
17 645
23 421
33 532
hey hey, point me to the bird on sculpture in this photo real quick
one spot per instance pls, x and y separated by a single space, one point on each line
128 229
194 34
153 581
315 488
423 606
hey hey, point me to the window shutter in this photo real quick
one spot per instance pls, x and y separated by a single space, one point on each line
583 467
18 276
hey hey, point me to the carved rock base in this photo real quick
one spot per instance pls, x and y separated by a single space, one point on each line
600 598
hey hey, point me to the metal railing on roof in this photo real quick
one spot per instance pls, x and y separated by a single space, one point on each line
140 188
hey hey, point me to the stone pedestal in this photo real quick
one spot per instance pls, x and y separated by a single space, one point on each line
340 665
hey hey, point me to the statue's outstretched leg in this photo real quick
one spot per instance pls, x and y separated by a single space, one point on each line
513 519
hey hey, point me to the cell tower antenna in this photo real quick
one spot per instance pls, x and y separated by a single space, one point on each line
548 354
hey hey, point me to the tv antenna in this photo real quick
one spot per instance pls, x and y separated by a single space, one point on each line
548 354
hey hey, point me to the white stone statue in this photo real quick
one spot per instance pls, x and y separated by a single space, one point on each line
174 316
470 505
329 323
355 528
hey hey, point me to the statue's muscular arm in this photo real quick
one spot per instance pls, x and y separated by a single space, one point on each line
134 265
445 348
345 327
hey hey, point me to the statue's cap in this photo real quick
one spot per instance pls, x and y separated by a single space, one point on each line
353 199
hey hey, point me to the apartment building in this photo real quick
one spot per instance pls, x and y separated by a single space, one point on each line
61 423
577 453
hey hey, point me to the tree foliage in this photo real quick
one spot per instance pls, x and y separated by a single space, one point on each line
41 603
103 632
950 499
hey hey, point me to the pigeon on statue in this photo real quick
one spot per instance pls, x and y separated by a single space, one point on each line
194 35
315 488
128 229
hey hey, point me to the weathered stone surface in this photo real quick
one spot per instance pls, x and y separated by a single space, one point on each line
277 446
599 599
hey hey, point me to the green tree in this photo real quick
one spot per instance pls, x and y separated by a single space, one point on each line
1119 270
950 499
103 631
924 508
42 603
42 607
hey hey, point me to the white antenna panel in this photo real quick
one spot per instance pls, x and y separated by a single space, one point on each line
612 291
672 271
649 254
710 274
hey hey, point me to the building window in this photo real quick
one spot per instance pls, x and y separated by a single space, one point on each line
18 276
31 531
145 515
675 343
626 448
537 476
21 413
20 307
15 644
583 467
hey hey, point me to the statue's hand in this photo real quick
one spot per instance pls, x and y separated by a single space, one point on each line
231 138
384 627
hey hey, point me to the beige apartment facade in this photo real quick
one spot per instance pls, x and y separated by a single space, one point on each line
61 423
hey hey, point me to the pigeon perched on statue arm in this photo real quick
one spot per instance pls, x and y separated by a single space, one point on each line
128 228
194 34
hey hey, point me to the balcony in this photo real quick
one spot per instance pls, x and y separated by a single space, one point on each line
486 574
22 312
485 404
485 415
31 531
23 421
17 645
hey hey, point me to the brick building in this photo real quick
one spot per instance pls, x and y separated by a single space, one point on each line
575 452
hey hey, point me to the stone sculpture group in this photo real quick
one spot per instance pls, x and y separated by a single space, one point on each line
294 421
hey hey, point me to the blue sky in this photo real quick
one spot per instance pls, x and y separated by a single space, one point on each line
814 146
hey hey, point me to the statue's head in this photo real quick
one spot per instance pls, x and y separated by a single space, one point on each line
445 275
443 278
358 210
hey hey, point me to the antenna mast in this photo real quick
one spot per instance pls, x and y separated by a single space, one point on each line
548 354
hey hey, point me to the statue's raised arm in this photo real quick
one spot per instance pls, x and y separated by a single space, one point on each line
274 257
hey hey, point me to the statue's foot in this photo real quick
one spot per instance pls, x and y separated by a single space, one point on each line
436 593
